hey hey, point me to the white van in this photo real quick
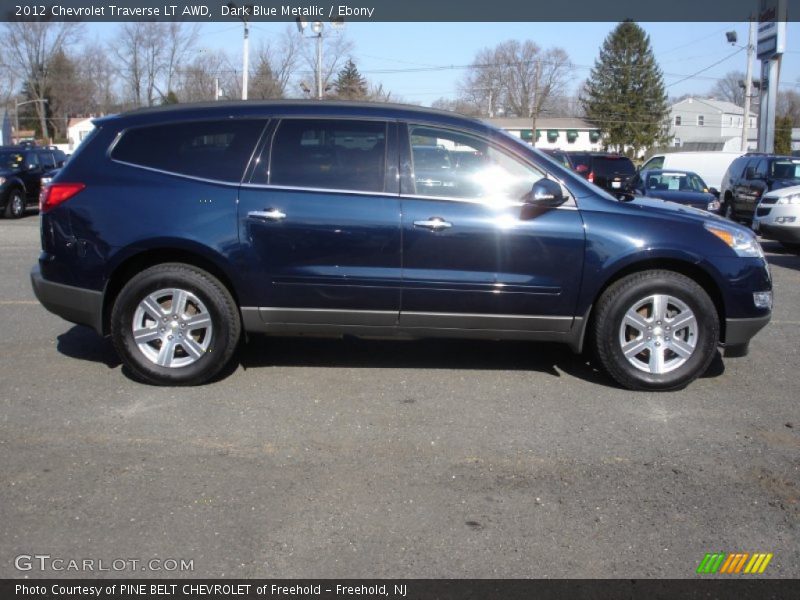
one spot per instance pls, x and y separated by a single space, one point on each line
711 166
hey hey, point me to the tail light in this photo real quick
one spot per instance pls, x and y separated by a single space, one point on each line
590 177
57 193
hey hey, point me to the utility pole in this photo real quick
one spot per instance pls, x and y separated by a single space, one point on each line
748 83
534 110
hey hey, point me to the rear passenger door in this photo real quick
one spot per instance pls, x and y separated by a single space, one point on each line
319 219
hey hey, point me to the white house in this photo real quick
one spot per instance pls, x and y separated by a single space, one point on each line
5 129
706 124
77 130
566 133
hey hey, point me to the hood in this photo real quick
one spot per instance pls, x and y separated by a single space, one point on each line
780 184
682 196
777 192
674 209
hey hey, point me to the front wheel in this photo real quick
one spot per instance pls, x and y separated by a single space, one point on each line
15 205
655 330
174 324
727 209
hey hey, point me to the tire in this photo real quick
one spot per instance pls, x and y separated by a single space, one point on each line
187 347
667 358
15 204
727 209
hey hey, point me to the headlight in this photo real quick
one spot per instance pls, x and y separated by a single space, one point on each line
793 199
713 206
2 180
743 243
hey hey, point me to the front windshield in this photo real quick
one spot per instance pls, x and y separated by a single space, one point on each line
11 160
785 169
676 182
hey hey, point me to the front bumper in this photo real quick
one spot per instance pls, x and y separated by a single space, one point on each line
739 332
780 233
77 305
780 222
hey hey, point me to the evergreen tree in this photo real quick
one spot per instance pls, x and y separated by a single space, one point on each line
170 98
625 93
350 84
783 135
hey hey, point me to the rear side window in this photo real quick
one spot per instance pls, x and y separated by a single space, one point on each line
216 150
657 162
613 166
48 161
336 154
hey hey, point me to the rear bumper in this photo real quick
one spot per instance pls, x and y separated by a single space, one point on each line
77 305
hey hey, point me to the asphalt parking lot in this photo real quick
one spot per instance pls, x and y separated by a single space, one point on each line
324 458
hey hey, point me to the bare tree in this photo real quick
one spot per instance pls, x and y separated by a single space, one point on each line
275 65
788 105
69 93
180 41
96 73
335 50
30 47
730 88
199 80
148 55
515 78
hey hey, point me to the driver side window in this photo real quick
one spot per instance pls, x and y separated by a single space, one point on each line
453 164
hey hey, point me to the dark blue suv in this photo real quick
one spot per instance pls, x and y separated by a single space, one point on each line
176 229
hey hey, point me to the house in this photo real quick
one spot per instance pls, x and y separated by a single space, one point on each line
77 130
707 124
5 129
566 133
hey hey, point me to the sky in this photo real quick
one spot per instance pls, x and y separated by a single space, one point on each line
382 49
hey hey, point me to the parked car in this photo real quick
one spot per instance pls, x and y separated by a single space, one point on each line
608 171
175 229
750 177
681 187
560 156
710 166
778 217
21 171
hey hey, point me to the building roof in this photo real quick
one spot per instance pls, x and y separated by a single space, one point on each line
541 123
720 105
76 121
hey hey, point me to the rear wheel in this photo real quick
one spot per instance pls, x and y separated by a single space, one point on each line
15 204
655 330
174 324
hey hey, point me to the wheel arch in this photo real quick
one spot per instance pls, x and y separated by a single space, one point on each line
144 259
689 269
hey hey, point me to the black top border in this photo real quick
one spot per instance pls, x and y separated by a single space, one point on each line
208 11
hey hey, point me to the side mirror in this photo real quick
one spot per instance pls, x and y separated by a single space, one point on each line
545 193
714 191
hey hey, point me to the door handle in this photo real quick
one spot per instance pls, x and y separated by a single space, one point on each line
272 214
434 223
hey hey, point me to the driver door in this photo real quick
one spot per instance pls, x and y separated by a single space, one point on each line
473 255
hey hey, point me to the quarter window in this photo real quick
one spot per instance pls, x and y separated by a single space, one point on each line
216 150
453 164
334 154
